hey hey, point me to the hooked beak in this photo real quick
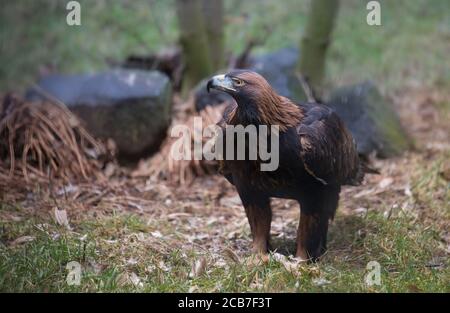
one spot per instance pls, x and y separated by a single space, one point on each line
220 82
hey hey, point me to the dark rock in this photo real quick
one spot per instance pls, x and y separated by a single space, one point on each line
167 61
372 121
277 67
130 106
203 98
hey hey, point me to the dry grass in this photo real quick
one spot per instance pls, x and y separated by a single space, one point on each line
42 140
162 167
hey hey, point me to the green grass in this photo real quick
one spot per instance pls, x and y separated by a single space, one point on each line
411 46
404 248
114 246
408 243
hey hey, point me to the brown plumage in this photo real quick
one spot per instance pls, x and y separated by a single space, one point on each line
317 155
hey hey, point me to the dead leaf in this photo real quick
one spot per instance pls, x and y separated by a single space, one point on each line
231 255
445 172
126 279
198 268
95 267
175 216
132 261
22 240
320 281
385 182
361 211
408 191
135 280
122 279
414 288
364 193
156 234
290 266
162 266
61 217
109 170
231 201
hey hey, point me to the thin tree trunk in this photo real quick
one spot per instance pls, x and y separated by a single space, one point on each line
316 40
194 42
213 17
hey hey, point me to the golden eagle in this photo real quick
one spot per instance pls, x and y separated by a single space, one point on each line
317 155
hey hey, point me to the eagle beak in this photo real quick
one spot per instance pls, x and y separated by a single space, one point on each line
220 82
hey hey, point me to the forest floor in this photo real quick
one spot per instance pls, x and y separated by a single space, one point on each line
134 234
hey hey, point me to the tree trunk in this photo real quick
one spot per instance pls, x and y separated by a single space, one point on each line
194 42
213 17
315 41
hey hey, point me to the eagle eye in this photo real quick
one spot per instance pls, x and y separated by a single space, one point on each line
238 82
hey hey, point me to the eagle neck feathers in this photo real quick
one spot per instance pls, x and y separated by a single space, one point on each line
268 108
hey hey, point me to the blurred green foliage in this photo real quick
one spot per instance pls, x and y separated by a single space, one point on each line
411 46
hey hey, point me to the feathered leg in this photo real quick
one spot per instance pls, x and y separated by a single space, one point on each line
312 236
259 214
317 208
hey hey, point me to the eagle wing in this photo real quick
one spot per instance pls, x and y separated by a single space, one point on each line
327 148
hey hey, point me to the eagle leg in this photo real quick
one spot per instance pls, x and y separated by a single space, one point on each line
317 208
259 214
312 236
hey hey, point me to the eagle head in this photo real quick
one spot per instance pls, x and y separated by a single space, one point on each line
257 102
243 85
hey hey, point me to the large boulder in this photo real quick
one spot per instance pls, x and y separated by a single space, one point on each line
277 67
372 121
130 106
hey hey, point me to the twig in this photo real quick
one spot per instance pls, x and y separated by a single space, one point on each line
309 92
